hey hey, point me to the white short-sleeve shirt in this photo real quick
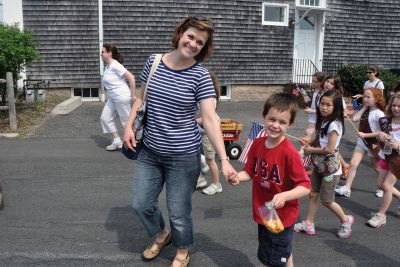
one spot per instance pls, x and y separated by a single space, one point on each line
115 83
377 84
323 141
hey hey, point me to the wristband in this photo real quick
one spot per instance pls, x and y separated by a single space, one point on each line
224 158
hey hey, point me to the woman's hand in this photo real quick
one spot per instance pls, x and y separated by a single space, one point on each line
129 139
229 172
234 179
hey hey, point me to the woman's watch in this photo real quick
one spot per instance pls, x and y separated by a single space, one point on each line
224 158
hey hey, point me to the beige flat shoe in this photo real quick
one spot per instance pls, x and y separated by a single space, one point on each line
149 254
183 262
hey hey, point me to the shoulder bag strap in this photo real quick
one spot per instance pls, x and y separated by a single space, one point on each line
154 66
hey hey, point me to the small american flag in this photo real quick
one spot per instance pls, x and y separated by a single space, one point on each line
257 130
306 160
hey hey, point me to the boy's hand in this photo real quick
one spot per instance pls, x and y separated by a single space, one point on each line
234 179
279 200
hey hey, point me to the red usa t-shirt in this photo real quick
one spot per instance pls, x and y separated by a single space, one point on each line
274 171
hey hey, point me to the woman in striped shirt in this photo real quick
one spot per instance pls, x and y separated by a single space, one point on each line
171 138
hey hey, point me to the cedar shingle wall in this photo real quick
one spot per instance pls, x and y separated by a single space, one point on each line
245 51
67 38
366 32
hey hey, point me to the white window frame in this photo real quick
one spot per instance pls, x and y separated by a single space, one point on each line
228 92
285 21
322 4
90 98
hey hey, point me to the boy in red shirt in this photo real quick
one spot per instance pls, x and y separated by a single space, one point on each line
278 175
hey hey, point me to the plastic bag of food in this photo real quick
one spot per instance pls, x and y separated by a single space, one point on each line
270 218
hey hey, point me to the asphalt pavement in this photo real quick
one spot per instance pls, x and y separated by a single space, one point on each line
67 203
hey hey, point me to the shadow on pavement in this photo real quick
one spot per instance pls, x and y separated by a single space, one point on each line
359 252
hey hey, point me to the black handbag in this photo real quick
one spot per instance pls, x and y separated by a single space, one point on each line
141 117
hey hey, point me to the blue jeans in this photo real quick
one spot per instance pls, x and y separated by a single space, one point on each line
179 173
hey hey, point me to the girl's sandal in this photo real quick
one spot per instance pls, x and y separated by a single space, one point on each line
183 262
149 254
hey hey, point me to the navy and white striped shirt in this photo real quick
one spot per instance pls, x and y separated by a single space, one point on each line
172 98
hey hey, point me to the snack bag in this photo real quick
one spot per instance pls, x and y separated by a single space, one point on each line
270 218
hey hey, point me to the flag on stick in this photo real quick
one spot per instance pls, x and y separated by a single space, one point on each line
257 130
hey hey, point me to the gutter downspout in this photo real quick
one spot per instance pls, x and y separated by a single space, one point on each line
101 65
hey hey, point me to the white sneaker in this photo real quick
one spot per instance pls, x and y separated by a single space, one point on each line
212 189
204 165
377 220
343 191
345 228
201 182
116 144
379 193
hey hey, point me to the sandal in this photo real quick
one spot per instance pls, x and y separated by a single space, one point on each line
149 254
183 262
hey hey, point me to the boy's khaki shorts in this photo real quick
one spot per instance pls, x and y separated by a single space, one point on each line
208 150
326 189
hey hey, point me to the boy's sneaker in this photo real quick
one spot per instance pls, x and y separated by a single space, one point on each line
305 227
201 182
377 220
345 228
212 189
379 193
116 144
343 191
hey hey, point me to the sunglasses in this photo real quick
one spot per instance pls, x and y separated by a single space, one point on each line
369 72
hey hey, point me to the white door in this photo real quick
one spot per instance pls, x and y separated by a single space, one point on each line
306 46
305 39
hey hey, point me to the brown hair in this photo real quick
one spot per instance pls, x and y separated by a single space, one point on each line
337 83
389 111
374 69
200 23
114 52
378 96
320 76
282 102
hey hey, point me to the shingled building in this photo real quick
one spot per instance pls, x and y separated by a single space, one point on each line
259 45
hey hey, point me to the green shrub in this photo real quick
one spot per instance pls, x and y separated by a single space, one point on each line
354 76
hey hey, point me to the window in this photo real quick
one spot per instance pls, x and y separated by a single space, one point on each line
225 92
311 3
275 14
86 92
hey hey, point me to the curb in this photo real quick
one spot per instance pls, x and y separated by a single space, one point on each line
9 135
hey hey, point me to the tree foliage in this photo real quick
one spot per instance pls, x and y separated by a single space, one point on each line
354 76
17 50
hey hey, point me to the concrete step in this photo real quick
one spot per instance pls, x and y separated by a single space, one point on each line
67 106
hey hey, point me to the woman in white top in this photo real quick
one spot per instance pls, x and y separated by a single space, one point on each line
120 94
373 80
